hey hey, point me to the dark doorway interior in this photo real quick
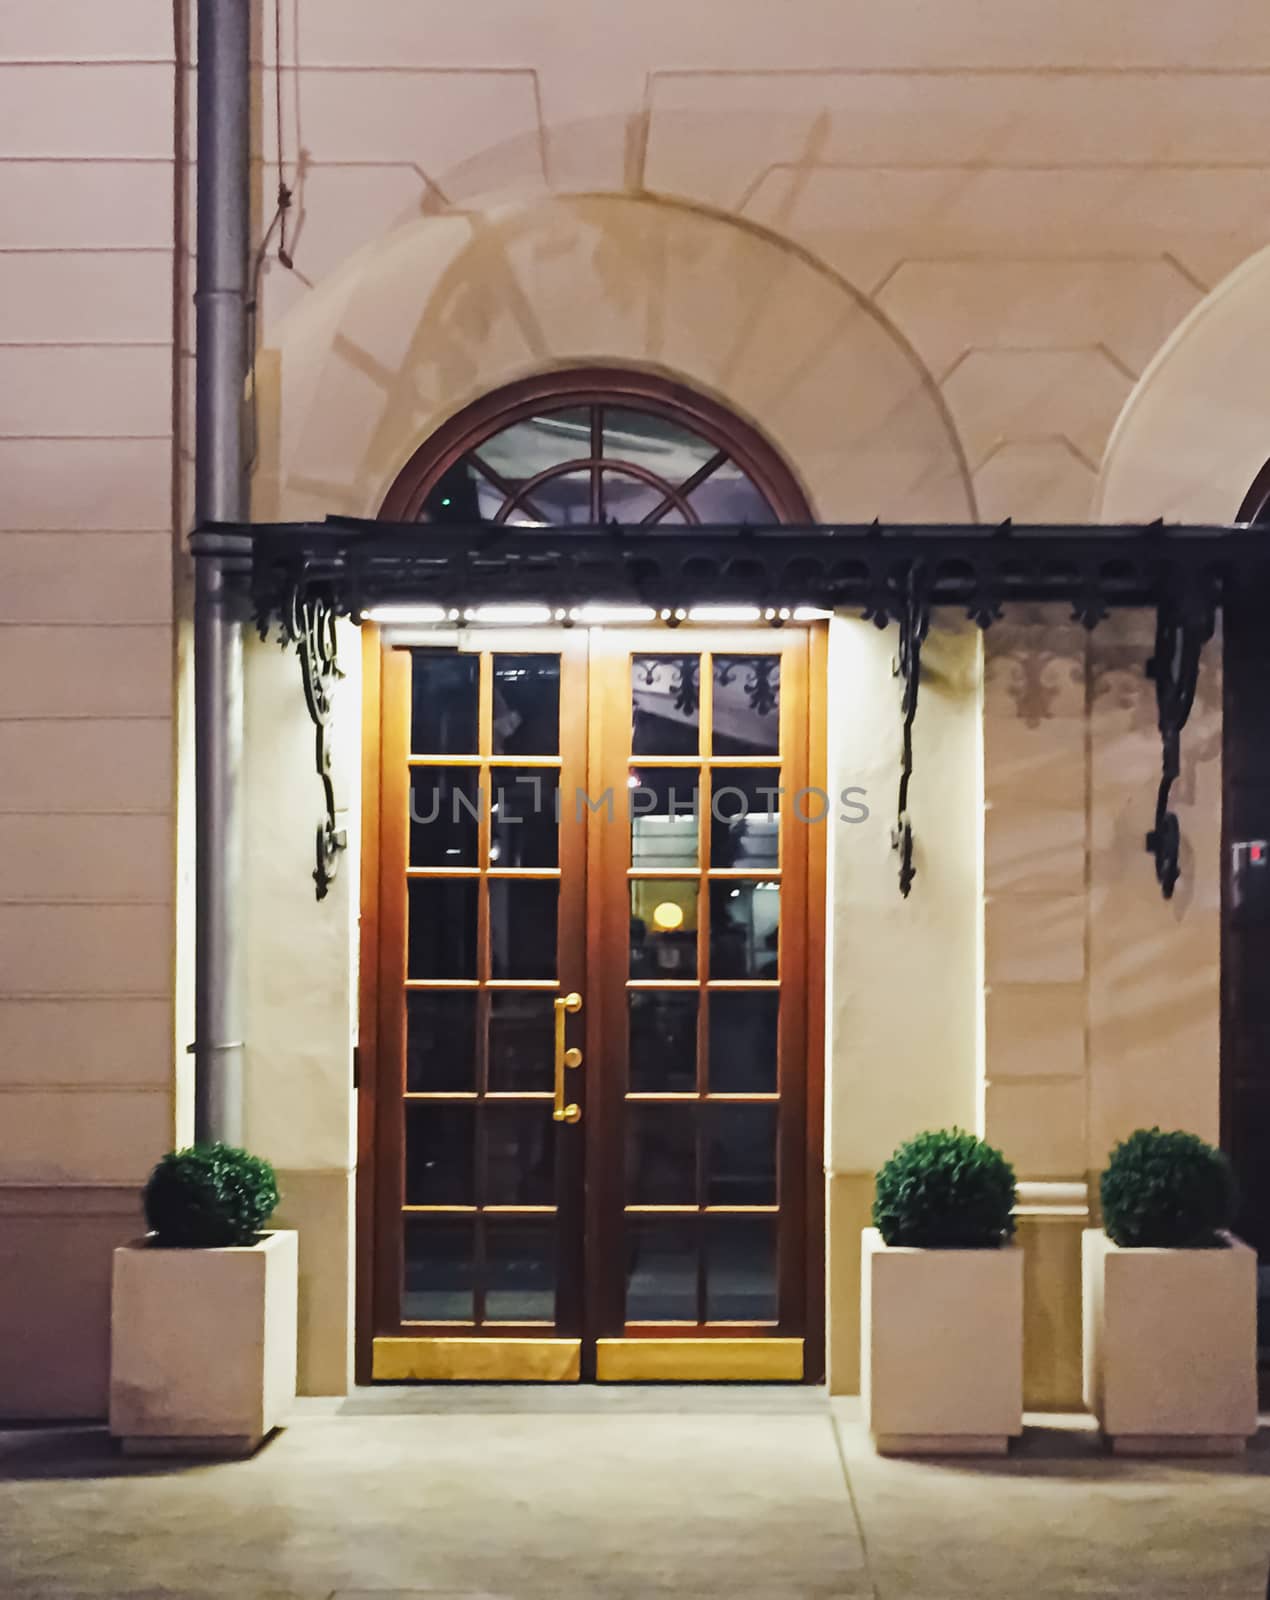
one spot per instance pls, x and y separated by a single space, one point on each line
1245 1029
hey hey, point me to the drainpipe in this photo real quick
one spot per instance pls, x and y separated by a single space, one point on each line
220 497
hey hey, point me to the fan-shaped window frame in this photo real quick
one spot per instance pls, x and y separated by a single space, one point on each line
464 433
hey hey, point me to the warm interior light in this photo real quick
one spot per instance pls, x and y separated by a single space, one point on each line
811 614
405 614
724 614
668 916
517 614
598 615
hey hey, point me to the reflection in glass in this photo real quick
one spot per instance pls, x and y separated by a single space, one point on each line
664 803
556 501
521 1041
524 818
663 928
626 500
745 817
747 694
441 913
743 1041
661 1154
526 705
524 449
663 1042
742 1154
443 705
440 1154
522 927
728 496
744 930
520 1154
444 810
438 1277
740 1269
661 1269
440 1041
658 445
520 1271
665 705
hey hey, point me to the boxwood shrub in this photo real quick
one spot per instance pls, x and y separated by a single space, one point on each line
945 1191
209 1195
1167 1189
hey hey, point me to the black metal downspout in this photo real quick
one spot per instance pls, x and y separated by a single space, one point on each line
220 497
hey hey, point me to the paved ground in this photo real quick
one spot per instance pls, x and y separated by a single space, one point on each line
622 1493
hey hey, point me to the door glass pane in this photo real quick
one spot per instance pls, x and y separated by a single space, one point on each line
663 1042
520 1271
522 927
664 805
744 930
524 818
438 1270
443 706
661 1269
526 705
520 1154
444 807
440 1151
745 817
665 705
747 693
742 1158
440 1041
521 1041
442 928
661 1154
740 1269
743 1041
663 929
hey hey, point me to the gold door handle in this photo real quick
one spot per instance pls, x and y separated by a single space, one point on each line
565 1058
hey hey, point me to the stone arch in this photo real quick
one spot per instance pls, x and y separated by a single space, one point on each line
1193 434
443 310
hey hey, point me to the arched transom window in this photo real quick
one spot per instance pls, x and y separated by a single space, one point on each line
592 448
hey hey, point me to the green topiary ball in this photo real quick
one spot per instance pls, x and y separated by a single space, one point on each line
1170 1190
945 1191
209 1195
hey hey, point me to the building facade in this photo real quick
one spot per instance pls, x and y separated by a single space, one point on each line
951 264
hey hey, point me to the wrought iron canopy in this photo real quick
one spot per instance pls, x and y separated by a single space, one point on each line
360 564
301 576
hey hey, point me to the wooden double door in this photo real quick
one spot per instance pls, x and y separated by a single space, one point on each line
591 1096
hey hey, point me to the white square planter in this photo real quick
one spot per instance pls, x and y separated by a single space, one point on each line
941 1348
202 1346
1170 1346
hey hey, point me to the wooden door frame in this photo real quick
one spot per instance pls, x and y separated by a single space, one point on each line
366 1056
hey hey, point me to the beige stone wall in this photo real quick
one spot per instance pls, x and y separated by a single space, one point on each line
930 251
87 97
903 985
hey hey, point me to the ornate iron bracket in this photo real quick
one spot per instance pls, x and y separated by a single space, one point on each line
914 621
1181 632
308 624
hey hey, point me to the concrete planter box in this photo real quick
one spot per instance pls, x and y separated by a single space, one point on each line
941 1348
202 1346
1171 1346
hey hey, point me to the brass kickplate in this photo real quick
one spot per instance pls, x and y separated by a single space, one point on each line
401 1360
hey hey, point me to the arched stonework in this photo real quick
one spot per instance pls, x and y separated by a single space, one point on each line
428 319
